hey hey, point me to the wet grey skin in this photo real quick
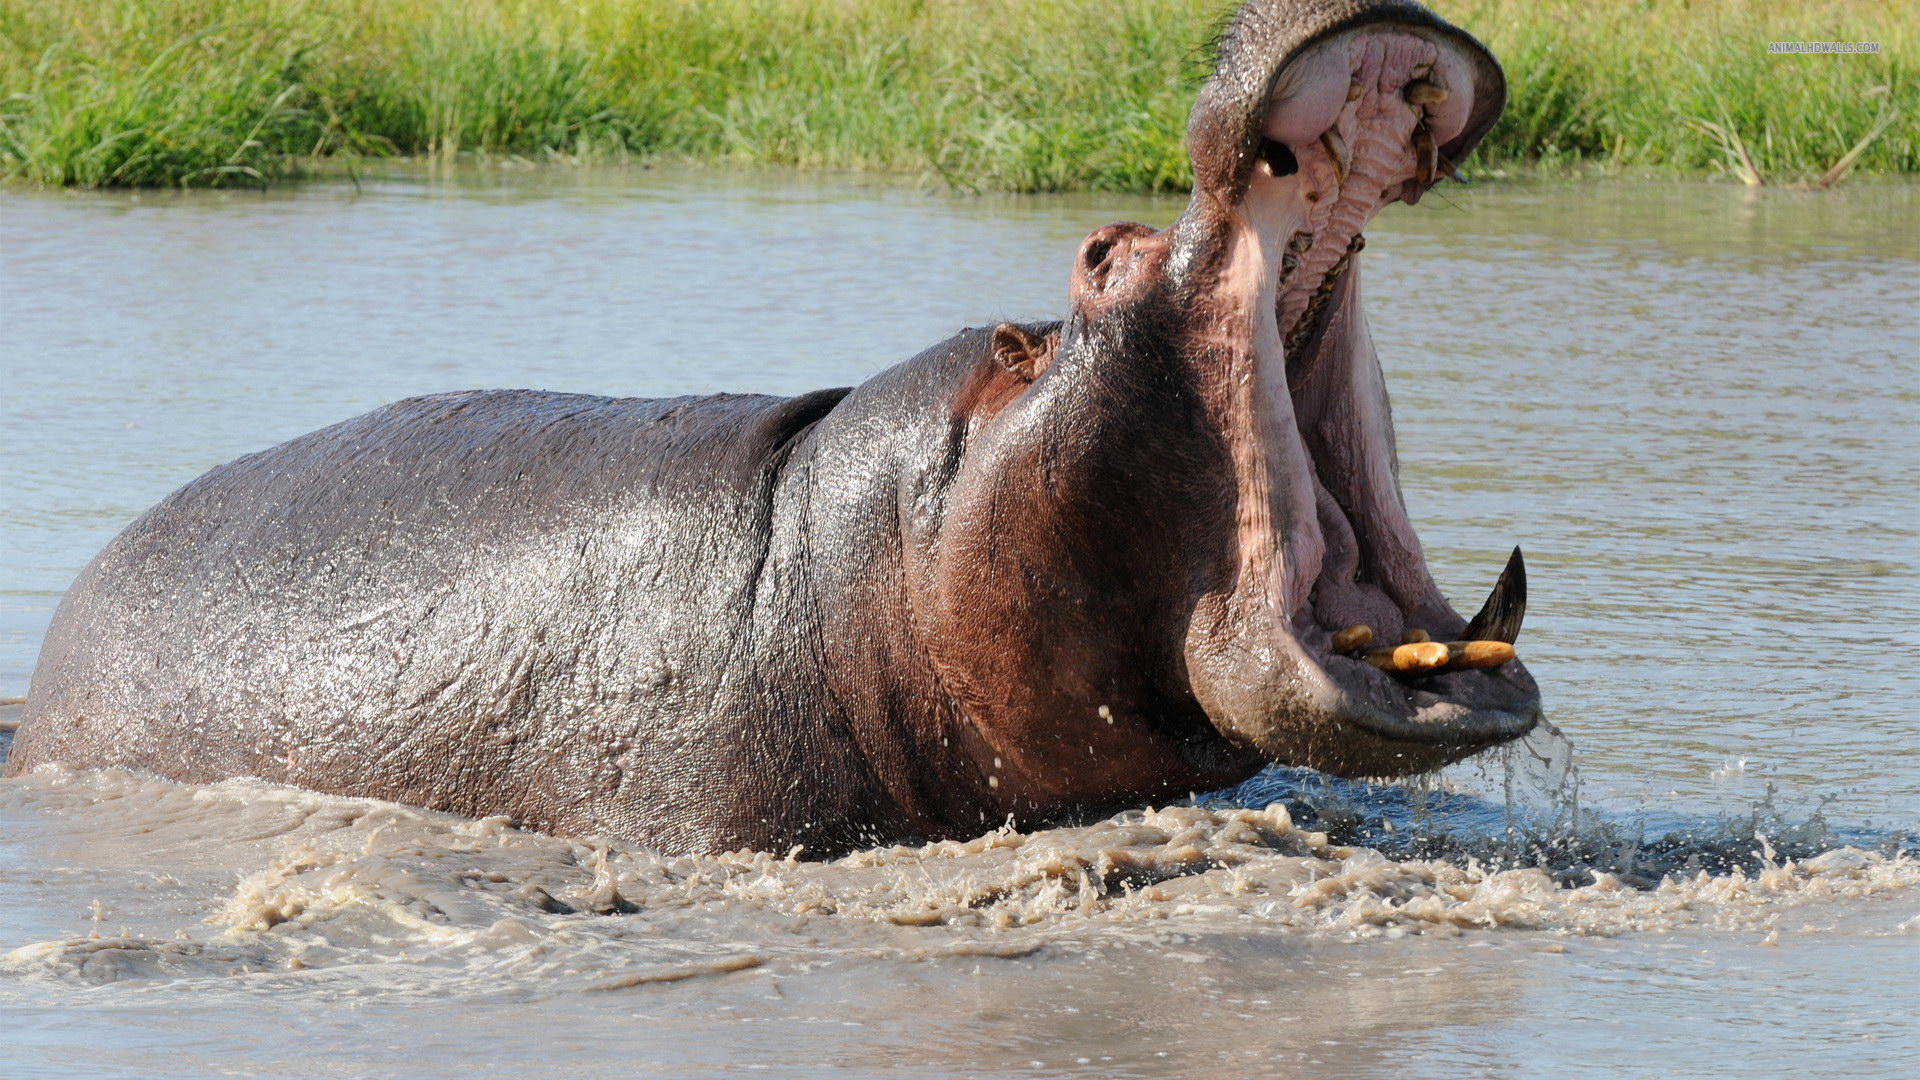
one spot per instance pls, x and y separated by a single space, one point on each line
1038 571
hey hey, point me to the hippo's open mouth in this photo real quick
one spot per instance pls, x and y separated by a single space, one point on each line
1356 122
1358 119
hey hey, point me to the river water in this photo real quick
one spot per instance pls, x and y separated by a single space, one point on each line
1697 407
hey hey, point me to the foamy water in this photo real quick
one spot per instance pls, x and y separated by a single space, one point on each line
327 884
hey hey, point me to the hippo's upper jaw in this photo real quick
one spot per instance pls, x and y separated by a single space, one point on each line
1317 116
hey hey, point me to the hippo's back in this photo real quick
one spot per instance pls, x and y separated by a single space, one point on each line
459 601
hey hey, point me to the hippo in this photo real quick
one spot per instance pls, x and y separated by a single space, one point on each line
1039 571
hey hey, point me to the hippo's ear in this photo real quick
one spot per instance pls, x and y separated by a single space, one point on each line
1021 351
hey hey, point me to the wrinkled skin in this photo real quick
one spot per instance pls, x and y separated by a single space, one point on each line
1034 571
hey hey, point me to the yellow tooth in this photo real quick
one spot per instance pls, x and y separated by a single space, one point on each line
1414 637
1353 638
1337 150
1422 92
1426 156
1478 654
1354 90
1419 656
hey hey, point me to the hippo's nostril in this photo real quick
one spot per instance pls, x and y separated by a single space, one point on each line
1102 257
1108 258
1094 255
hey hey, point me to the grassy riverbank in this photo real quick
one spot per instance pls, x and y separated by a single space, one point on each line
1035 95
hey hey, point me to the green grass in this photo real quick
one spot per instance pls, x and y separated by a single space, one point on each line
993 94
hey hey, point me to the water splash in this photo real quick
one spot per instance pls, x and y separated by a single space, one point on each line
1519 807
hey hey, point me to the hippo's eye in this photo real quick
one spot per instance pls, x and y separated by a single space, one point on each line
1278 158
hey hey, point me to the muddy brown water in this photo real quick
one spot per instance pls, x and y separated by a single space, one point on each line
1697 407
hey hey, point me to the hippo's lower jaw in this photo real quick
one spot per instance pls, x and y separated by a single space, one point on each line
1353 122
